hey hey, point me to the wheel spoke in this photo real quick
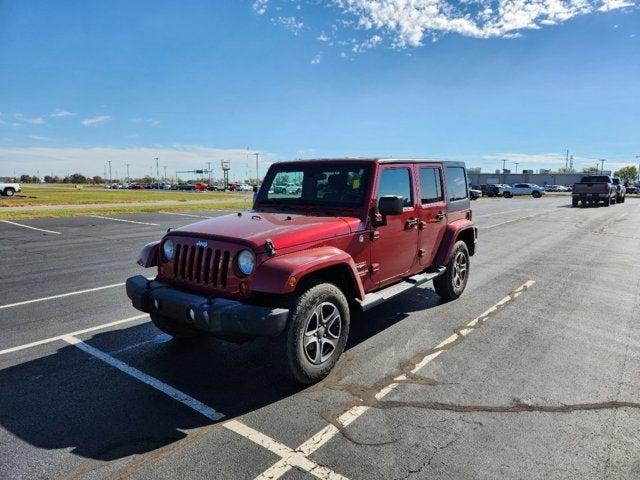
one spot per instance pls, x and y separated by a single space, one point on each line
317 359
331 344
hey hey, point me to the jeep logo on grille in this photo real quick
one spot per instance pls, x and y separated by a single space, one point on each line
202 243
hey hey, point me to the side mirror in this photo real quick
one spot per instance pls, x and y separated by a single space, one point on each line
390 205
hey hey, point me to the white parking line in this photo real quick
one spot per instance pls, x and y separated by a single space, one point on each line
31 228
123 220
72 334
515 220
291 457
496 213
327 433
185 215
62 295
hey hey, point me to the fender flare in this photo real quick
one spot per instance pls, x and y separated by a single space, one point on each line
451 235
272 276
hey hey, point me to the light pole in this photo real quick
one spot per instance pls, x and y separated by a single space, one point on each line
165 173
516 164
128 177
157 170
209 170
109 171
257 174
637 157
602 160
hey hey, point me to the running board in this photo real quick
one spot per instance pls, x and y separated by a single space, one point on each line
376 298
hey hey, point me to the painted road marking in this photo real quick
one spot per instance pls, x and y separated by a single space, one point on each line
496 213
293 458
327 433
31 228
72 334
185 215
516 220
125 221
62 295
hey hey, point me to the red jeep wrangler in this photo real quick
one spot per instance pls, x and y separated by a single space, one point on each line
356 232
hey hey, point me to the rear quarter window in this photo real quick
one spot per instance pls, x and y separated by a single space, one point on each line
456 184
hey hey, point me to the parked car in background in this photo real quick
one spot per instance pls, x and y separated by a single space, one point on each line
593 190
293 189
474 193
621 190
9 189
632 189
243 187
524 189
491 190
201 186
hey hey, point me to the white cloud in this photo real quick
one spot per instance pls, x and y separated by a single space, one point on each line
323 37
62 113
367 44
91 161
315 60
146 121
608 5
408 22
260 6
33 121
292 24
38 137
94 121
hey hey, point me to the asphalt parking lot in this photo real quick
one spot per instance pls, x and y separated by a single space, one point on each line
532 373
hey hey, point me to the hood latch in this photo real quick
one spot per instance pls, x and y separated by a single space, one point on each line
271 249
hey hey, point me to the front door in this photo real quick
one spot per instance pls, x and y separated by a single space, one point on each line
433 213
394 247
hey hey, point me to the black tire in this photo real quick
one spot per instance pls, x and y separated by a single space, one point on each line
507 195
177 330
450 286
536 194
9 192
624 197
574 202
607 202
312 306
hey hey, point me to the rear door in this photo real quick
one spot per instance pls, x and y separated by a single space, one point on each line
395 245
432 212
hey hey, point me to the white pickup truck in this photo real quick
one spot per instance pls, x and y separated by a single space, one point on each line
9 189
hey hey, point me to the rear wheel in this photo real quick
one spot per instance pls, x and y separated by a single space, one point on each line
452 283
316 333
173 328
536 194
574 202
607 201
9 192
507 194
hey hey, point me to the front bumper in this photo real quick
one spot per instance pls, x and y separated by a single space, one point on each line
219 316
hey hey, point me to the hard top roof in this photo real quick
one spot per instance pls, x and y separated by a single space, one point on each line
384 160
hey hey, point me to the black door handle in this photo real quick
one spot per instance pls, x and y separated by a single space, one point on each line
440 216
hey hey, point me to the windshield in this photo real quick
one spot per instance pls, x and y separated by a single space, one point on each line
321 184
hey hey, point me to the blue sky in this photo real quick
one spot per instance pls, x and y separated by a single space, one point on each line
87 81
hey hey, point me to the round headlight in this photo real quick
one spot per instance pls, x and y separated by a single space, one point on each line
167 250
246 262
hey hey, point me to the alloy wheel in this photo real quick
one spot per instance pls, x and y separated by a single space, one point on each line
322 333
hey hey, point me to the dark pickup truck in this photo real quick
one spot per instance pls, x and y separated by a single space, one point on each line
592 190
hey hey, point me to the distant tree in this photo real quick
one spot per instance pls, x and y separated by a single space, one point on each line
25 179
566 170
97 179
590 170
48 179
76 178
628 173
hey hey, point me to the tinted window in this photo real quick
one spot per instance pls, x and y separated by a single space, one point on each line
396 181
595 179
456 183
522 185
430 186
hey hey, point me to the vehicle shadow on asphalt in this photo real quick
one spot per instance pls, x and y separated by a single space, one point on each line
71 400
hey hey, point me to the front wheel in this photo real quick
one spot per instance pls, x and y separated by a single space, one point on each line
507 195
536 194
9 192
452 283
316 333
607 201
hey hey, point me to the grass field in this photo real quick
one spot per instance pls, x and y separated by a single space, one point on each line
40 201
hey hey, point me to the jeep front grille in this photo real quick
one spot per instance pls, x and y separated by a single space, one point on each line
200 265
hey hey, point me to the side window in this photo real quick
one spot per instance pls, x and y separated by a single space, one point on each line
396 181
456 184
430 185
